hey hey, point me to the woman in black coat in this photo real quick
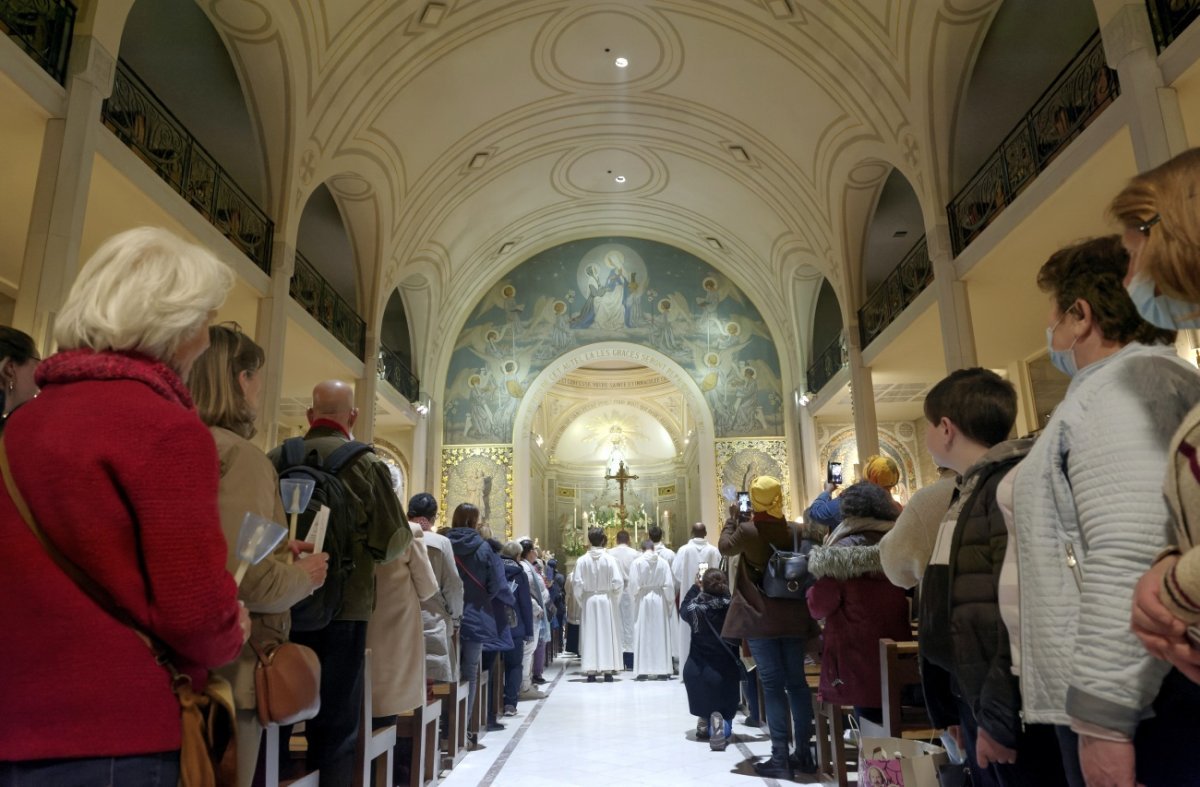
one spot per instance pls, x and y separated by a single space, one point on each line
711 672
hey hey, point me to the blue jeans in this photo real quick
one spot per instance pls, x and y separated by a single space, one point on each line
145 770
514 666
472 652
781 672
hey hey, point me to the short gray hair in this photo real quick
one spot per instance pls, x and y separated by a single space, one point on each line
144 290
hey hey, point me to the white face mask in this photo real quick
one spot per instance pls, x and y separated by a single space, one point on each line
1162 311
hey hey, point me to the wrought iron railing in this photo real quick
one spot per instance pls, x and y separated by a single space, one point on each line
145 124
393 370
1169 18
827 364
317 296
43 29
899 289
1074 99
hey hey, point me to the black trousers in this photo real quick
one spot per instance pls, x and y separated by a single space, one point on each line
333 733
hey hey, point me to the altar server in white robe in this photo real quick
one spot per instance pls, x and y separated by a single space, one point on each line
597 585
653 590
665 553
625 555
687 563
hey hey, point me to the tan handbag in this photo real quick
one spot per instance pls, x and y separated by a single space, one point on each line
208 740
287 683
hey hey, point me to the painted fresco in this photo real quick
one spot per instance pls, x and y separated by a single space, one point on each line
482 476
739 462
613 289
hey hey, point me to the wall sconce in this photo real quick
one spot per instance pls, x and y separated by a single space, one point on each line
537 438
422 404
802 398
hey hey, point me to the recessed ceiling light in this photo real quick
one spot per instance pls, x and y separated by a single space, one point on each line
619 178
621 62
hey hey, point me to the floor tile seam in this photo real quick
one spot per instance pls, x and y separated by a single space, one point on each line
502 760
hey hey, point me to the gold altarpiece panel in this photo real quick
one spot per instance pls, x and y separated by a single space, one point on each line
740 460
483 476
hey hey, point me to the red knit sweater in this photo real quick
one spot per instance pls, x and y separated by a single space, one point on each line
122 476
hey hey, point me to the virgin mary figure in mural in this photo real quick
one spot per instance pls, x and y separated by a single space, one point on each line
611 308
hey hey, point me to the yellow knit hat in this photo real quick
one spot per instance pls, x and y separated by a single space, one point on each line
882 470
766 494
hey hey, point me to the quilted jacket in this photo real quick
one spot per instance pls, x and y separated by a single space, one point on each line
1090 519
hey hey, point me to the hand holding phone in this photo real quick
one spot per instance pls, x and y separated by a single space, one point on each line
833 474
743 499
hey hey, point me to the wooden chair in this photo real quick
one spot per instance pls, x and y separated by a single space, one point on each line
376 749
496 678
272 764
477 724
834 759
899 666
453 697
421 726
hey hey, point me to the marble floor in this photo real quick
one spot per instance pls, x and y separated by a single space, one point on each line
635 733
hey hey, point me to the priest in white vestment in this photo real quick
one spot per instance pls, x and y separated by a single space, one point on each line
625 555
597 586
653 591
664 553
687 563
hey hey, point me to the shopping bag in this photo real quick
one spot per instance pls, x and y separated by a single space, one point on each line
898 762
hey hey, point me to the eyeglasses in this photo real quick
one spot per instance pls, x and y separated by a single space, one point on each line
1145 226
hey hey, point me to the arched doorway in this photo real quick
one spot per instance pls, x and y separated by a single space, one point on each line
523 436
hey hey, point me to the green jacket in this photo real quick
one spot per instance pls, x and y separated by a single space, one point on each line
383 531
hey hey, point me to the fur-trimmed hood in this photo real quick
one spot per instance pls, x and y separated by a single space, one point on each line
842 563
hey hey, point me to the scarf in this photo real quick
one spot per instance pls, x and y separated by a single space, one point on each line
74 366
703 604
852 525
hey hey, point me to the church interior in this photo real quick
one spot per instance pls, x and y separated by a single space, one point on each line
601 264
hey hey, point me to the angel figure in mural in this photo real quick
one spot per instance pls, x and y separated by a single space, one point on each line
708 320
611 307
745 401
512 309
634 309
662 332
560 334
715 387
491 339
587 312
480 415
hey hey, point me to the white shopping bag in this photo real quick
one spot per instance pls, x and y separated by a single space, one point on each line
899 762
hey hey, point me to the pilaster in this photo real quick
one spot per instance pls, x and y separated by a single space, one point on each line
954 309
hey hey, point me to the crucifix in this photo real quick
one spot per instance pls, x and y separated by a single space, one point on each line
622 477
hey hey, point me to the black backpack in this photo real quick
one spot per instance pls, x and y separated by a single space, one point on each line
293 461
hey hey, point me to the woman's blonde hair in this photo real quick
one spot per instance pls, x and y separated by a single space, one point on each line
215 379
145 290
1171 255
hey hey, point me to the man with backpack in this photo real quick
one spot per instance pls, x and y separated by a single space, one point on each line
366 526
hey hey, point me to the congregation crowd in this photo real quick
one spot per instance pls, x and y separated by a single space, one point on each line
1053 578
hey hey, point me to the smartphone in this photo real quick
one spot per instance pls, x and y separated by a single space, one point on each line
743 499
833 473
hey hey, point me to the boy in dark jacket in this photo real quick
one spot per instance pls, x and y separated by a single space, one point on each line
965 651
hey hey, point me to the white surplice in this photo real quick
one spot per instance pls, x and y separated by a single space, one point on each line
597 585
687 563
625 555
668 555
653 590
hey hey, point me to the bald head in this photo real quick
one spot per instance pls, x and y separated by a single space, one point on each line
333 400
699 530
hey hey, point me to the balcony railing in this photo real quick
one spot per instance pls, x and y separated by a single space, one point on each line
43 29
1074 99
145 124
393 370
319 299
899 289
827 364
1168 18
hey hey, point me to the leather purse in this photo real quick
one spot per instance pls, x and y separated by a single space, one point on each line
786 574
287 683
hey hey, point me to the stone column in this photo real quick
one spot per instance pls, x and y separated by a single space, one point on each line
420 455
1156 123
60 197
270 331
954 310
366 387
862 396
812 475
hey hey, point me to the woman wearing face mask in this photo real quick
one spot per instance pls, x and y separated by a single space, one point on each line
18 362
1162 234
1090 518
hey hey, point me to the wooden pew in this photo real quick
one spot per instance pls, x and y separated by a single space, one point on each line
376 749
421 726
899 666
271 763
454 708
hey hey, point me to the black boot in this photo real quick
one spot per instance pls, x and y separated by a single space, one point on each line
777 767
803 762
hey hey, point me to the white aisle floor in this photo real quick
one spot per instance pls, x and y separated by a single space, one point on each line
628 732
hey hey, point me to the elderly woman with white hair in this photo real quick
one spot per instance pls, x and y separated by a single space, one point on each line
120 476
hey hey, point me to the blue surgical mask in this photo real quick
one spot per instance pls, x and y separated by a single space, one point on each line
1161 311
1063 360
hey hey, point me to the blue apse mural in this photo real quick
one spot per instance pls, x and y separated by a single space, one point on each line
613 289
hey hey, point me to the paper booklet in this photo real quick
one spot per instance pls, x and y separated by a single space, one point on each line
316 533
